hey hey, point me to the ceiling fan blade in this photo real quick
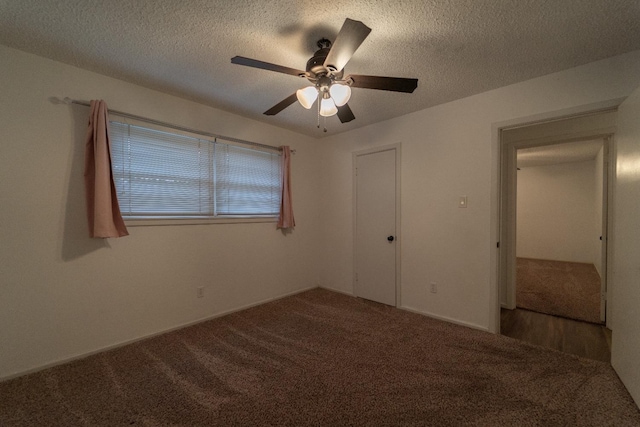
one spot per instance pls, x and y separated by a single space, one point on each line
395 84
241 60
281 105
345 114
349 39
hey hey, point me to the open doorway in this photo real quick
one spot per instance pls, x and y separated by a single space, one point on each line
553 224
559 228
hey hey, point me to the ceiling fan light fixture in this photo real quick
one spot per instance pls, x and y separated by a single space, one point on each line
340 94
307 96
330 86
328 107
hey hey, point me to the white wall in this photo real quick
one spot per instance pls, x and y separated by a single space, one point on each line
556 213
448 151
625 354
599 203
63 294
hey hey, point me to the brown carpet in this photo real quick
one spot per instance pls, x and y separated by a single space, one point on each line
566 289
324 359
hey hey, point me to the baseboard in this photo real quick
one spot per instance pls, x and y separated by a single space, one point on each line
351 294
154 334
424 313
446 319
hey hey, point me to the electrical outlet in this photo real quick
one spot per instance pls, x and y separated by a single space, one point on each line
200 292
434 288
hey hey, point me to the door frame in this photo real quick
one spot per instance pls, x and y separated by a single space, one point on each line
508 199
607 211
397 147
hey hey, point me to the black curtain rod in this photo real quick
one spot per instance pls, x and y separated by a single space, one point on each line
180 128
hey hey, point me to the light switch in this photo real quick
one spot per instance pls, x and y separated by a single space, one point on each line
462 203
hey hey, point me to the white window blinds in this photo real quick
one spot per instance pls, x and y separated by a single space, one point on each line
164 174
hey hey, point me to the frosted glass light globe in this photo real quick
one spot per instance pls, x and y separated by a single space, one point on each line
328 107
340 94
307 96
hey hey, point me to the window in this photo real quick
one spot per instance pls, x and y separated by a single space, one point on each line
160 174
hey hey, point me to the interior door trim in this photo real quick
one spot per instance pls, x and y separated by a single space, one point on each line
397 147
590 126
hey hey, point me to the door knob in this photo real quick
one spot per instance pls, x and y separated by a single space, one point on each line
390 238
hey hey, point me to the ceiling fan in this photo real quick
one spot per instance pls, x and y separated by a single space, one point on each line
325 71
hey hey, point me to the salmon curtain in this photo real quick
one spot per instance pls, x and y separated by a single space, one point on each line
286 219
103 211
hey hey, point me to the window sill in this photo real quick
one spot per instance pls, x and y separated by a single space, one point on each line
146 222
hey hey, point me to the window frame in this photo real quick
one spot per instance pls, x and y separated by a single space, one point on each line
172 220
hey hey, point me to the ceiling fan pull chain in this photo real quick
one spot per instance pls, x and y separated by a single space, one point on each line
324 124
318 124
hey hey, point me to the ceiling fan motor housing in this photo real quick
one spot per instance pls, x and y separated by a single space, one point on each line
315 65
316 68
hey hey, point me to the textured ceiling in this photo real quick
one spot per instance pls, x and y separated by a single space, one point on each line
455 48
569 152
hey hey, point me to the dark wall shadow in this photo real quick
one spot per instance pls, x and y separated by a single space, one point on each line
286 231
306 38
75 240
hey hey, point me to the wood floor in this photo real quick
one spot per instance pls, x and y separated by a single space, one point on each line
570 336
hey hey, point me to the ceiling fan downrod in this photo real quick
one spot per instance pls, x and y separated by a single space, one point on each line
324 43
